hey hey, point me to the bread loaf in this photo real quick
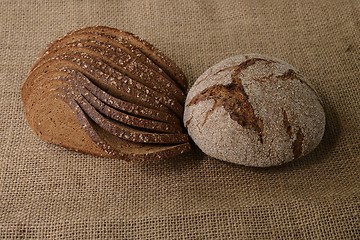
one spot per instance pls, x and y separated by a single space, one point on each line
108 93
254 110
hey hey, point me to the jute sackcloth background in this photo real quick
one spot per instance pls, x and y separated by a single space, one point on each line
47 192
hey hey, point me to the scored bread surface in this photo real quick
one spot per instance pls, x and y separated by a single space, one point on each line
102 91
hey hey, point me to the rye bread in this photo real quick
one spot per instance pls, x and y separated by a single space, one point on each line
123 149
254 110
123 131
114 127
131 108
114 87
148 49
58 68
112 80
128 119
141 48
65 119
140 88
35 97
59 125
127 63
125 102
95 38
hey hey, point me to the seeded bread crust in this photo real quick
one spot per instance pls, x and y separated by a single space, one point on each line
121 43
120 61
116 88
254 110
116 127
130 120
116 83
156 56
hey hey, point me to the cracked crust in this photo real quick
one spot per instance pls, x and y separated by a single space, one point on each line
254 110
233 98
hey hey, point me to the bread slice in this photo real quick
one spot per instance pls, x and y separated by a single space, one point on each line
115 127
131 108
128 119
56 67
143 50
116 88
123 61
150 109
63 119
148 49
54 122
35 97
130 151
116 83
123 131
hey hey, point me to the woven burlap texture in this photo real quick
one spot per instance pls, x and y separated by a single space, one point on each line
47 192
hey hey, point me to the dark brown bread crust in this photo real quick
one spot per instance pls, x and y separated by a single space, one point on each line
125 92
233 98
119 59
164 63
114 82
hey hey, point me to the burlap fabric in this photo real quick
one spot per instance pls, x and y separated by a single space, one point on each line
47 192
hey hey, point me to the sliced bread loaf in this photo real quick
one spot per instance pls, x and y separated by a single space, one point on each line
106 92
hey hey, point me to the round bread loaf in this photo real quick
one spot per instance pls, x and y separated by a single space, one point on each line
254 110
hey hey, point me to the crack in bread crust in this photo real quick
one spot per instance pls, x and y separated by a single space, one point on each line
299 138
297 144
233 98
244 65
289 75
287 123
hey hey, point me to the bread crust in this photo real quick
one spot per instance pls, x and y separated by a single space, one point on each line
121 59
114 82
161 60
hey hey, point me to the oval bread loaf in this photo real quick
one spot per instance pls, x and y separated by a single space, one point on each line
106 92
254 110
